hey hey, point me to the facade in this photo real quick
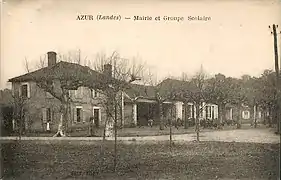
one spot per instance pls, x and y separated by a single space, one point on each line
246 113
137 104
41 108
141 104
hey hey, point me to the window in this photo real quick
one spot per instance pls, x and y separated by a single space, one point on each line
78 117
96 116
79 113
208 111
190 111
94 93
201 112
24 90
47 114
212 112
246 114
259 114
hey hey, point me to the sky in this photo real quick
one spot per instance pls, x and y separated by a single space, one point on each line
235 41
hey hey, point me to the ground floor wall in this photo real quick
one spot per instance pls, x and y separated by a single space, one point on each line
138 113
46 116
245 114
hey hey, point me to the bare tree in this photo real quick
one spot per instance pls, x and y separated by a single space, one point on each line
197 95
58 83
124 72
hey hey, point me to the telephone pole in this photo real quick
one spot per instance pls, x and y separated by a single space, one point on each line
274 27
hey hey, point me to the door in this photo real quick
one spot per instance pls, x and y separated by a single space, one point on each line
96 117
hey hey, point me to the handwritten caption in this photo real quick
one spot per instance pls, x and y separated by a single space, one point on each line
100 17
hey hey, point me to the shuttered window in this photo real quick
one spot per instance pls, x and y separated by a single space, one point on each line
94 93
44 114
47 115
24 90
78 114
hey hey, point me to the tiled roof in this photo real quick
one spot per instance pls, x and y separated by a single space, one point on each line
61 70
165 88
64 71
173 85
137 90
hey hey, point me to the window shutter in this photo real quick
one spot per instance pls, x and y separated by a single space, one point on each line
28 90
81 92
82 116
44 115
53 115
75 115
92 93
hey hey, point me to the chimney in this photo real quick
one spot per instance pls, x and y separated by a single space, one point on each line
52 58
107 70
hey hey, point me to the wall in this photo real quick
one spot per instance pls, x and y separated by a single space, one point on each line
128 117
40 99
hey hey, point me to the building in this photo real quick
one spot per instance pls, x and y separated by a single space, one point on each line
136 104
246 113
40 106
141 101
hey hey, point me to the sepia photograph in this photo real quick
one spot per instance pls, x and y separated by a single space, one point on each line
117 90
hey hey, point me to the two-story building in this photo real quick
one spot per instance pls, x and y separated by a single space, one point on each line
137 104
40 106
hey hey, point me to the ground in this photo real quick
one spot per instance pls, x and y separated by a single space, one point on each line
190 160
147 158
83 131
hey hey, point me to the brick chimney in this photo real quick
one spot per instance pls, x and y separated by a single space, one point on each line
107 70
52 58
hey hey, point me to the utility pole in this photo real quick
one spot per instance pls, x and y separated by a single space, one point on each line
274 27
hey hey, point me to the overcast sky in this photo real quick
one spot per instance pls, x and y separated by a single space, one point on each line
234 42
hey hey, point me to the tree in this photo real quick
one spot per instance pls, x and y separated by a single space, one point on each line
58 82
124 72
163 91
220 90
267 89
196 92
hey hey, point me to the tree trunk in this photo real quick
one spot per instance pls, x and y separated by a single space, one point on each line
255 116
270 116
108 127
193 114
115 135
121 111
161 119
239 117
170 124
197 121
219 115
21 122
185 116
65 118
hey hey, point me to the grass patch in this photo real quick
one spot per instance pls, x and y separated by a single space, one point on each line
204 160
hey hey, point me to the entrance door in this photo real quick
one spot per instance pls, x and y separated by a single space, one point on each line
96 117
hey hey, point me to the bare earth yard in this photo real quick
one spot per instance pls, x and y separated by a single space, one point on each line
83 131
188 160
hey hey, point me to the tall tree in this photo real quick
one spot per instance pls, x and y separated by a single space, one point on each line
220 91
